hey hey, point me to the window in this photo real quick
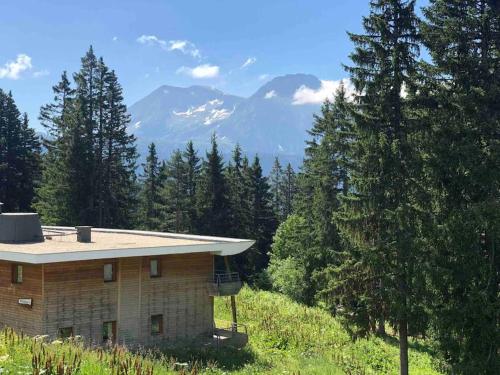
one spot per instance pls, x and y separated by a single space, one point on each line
110 272
154 268
108 331
65 332
156 325
17 273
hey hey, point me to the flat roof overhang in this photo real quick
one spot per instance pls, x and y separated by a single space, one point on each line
221 246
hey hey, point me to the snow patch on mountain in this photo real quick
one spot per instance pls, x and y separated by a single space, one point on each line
191 111
217 115
270 94
216 102
210 107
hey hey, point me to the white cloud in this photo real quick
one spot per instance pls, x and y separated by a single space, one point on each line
115 38
248 62
184 46
41 73
137 125
200 71
327 90
263 77
270 94
152 40
14 69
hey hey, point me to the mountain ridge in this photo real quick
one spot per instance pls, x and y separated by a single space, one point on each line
268 122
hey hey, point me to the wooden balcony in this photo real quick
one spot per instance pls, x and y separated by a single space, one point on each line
225 284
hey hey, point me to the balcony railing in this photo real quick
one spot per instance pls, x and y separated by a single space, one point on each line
225 284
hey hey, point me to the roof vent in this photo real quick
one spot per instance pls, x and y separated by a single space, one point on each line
20 227
84 234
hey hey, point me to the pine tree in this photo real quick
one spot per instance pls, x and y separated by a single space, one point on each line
239 196
459 97
378 218
102 78
83 133
322 179
54 202
290 190
89 169
19 157
175 203
326 167
263 222
277 189
30 165
212 195
193 168
120 157
150 196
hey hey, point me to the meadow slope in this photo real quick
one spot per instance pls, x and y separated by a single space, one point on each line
285 338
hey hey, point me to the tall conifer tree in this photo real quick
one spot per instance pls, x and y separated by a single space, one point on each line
239 190
89 169
378 218
277 189
460 97
263 221
321 181
150 194
213 194
119 161
193 168
19 157
174 193
54 197
290 190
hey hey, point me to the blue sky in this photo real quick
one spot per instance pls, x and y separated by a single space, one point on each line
155 42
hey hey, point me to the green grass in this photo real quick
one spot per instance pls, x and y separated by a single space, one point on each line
290 338
285 338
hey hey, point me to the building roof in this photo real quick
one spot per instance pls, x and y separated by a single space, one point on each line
60 245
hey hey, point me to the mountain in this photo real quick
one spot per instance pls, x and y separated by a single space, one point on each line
269 122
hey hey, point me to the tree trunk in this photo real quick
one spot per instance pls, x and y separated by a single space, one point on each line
381 326
403 347
233 310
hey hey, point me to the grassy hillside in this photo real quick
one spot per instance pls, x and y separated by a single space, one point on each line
285 338
288 338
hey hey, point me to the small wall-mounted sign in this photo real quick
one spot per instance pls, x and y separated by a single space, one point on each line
26 302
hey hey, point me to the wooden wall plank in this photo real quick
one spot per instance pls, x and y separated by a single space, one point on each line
12 314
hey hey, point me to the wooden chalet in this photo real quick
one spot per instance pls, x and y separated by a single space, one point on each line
129 287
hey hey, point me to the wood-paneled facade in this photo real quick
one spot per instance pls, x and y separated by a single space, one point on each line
75 295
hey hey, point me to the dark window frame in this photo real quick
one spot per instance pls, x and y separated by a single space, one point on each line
62 330
114 271
15 273
158 268
113 331
160 324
